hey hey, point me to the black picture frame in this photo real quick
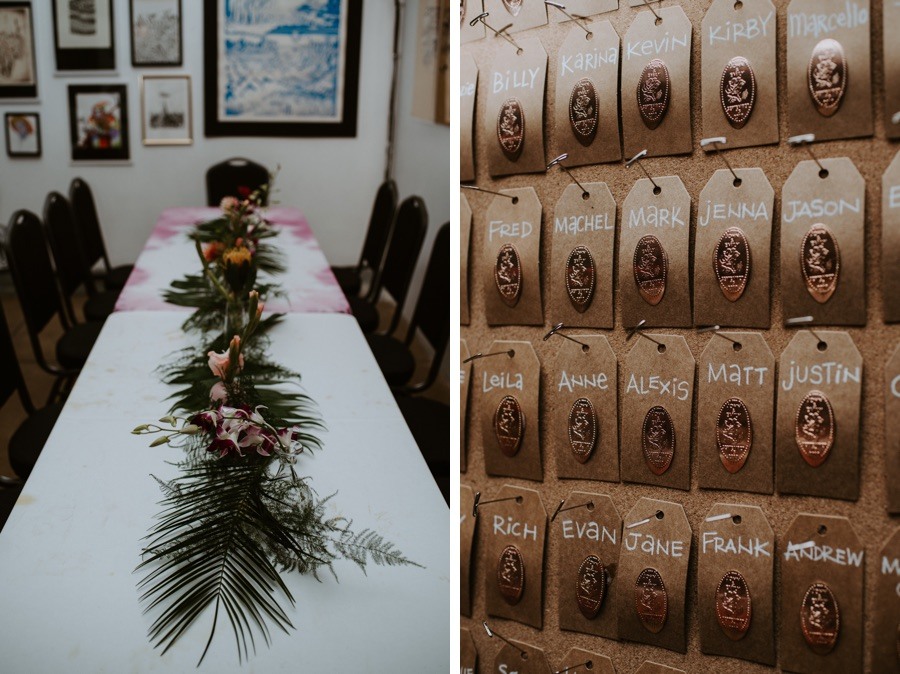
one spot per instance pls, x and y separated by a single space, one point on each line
150 55
83 41
11 145
343 124
21 79
88 144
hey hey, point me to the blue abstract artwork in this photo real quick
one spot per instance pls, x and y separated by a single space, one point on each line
281 60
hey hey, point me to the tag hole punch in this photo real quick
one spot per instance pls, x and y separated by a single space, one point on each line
585 195
524 655
589 664
585 348
519 51
737 182
512 353
661 348
519 500
590 505
657 190
823 173
658 20
515 200
739 5
589 36
737 346
822 346
736 519
660 514
822 530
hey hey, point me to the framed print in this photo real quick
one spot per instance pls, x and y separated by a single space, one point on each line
98 121
166 110
23 134
156 33
18 74
281 67
83 30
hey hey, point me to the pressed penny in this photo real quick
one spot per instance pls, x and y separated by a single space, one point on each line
508 274
815 428
827 76
658 439
734 434
651 265
511 128
584 111
511 574
653 93
820 618
581 276
651 601
820 262
591 586
509 425
582 429
731 263
737 91
733 607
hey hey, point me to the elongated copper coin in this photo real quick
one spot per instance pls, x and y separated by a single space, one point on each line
511 574
734 434
653 92
651 601
658 440
513 6
509 425
731 262
508 274
511 128
827 76
820 262
733 605
590 587
651 269
582 429
584 111
581 275
820 618
737 91
815 428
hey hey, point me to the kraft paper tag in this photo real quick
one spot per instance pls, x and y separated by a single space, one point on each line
654 247
587 95
520 658
662 92
581 262
576 659
889 22
514 533
468 10
588 528
655 668
890 239
468 654
736 413
653 567
658 394
465 237
840 74
892 431
513 124
581 408
508 406
740 89
885 639
735 595
517 14
467 522
511 259
822 565
823 268
732 250
468 86
465 384
817 427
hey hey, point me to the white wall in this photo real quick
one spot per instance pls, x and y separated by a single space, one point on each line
331 180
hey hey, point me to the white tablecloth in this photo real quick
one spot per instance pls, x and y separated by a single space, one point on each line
68 597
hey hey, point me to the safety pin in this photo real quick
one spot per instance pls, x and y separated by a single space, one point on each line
556 331
479 502
492 633
558 162
501 33
559 509
638 329
587 663
715 330
562 8
658 17
715 143
637 159
896 118
512 197
511 353
799 320
804 141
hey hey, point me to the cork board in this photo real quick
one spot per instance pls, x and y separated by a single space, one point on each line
876 341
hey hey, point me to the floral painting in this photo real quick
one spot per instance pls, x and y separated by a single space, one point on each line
98 117
23 134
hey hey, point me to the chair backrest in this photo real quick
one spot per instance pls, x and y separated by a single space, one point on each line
432 314
62 232
403 253
380 222
11 379
235 177
82 200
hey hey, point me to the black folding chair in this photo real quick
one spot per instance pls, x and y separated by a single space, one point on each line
235 177
404 246
35 284
92 244
380 221
71 268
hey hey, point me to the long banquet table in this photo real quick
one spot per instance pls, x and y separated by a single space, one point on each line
308 284
68 551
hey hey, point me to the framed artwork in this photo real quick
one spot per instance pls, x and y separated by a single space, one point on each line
166 110
83 30
18 74
98 121
23 134
281 67
156 33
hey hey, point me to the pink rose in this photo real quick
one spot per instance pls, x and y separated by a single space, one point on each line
229 204
219 363
218 393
